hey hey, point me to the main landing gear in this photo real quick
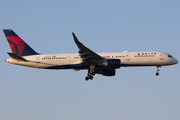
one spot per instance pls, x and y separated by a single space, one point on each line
91 72
157 73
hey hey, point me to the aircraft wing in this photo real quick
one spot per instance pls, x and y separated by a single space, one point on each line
86 54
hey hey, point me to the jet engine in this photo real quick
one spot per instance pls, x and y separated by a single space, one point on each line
111 63
106 72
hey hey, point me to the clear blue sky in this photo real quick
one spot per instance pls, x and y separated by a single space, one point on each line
112 26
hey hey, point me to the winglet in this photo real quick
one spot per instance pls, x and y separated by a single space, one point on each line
85 53
16 57
75 39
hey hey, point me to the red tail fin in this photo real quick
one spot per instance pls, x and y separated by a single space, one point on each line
18 46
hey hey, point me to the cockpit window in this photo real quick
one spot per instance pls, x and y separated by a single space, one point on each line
170 56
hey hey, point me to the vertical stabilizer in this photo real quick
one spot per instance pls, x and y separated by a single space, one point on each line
17 45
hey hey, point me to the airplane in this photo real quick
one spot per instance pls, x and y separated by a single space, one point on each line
96 63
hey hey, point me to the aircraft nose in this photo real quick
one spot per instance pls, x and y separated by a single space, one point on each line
175 61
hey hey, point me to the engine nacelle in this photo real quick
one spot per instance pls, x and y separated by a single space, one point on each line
111 63
106 72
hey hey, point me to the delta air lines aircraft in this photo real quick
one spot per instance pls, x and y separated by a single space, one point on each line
96 63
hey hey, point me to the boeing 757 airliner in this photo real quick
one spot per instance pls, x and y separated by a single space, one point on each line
96 63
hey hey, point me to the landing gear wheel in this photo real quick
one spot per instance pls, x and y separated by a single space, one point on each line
157 74
87 78
90 77
91 71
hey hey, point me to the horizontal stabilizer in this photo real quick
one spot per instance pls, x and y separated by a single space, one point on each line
16 57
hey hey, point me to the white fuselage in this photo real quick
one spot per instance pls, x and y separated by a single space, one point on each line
73 61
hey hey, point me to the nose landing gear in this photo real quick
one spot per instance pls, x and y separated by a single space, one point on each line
157 73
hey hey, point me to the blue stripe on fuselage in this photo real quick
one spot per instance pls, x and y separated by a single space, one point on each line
79 66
